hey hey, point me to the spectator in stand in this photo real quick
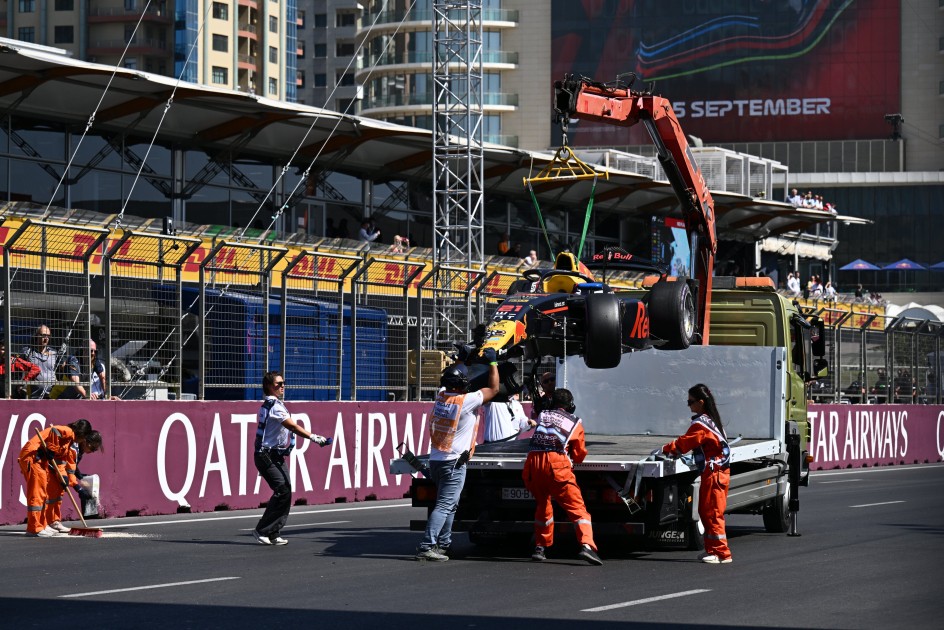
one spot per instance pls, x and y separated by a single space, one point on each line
531 259
808 200
859 293
829 292
819 202
793 284
816 289
794 197
41 355
368 232
504 245
400 244
21 369
515 250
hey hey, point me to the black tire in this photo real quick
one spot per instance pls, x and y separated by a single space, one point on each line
672 314
603 344
777 514
696 539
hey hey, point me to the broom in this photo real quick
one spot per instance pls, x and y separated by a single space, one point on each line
85 530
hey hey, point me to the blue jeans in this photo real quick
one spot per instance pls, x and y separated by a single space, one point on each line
449 481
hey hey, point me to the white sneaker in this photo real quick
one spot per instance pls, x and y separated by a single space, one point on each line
59 527
278 540
48 532
716 560
262 540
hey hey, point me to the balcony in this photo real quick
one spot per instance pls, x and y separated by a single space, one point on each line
395 17
120 14
426 100
136 47
426 58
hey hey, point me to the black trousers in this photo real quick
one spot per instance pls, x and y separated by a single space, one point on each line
272 468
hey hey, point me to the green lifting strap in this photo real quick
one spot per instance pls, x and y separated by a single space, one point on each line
586 220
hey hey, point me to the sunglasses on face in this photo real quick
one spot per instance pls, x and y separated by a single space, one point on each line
280 383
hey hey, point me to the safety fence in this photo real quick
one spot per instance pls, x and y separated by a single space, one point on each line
145 315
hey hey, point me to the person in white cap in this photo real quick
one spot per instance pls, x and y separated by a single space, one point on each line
99 379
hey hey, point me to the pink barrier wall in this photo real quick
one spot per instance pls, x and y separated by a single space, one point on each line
162 455
870 435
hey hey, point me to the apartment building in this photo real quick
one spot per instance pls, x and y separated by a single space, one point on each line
244 45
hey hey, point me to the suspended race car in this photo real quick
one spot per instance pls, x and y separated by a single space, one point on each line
564 311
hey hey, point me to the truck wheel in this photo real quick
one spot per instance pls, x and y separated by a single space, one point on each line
672 314
603 345
696 537
777 514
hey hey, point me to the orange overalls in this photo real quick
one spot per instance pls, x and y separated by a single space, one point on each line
44 489
557 444
713 495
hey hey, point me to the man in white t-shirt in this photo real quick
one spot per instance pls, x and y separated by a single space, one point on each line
505 419
452 433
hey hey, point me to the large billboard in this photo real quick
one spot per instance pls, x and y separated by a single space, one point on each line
740 70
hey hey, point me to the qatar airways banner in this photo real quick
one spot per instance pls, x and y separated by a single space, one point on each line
844 436
161 456
740 70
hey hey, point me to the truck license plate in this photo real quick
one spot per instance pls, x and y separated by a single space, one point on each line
516 494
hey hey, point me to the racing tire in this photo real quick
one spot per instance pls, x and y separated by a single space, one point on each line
603 344
672 314
777 514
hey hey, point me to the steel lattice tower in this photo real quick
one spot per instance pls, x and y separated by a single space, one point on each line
458 204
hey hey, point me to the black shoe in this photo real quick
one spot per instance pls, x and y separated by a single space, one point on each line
538 555
590 555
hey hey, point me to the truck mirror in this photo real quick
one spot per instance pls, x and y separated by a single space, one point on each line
818 338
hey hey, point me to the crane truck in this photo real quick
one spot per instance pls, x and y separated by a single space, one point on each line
756 349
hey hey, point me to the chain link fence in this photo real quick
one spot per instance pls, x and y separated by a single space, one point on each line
178 317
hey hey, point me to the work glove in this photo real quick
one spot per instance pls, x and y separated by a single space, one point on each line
489 355
320 440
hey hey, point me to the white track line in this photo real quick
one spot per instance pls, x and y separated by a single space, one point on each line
249 529
648 600
255 516
840 481
144 588
874 504
875 469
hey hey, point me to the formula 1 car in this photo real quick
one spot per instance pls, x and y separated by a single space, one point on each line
564 311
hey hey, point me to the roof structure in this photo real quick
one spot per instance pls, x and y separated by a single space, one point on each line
36 82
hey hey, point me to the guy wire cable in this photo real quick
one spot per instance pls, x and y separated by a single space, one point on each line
167 106
98 106
305 174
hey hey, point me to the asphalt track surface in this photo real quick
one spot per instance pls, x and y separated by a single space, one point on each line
870 556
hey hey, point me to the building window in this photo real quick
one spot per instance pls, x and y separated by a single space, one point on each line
27 6
345 19
346 79
320 80
220 75
321 20
321 51
300 15
273 87
343 50
131 63
26 34
63 35
300 78
273 54
300 45
65 5
220 43
129 5
273 24
220 11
